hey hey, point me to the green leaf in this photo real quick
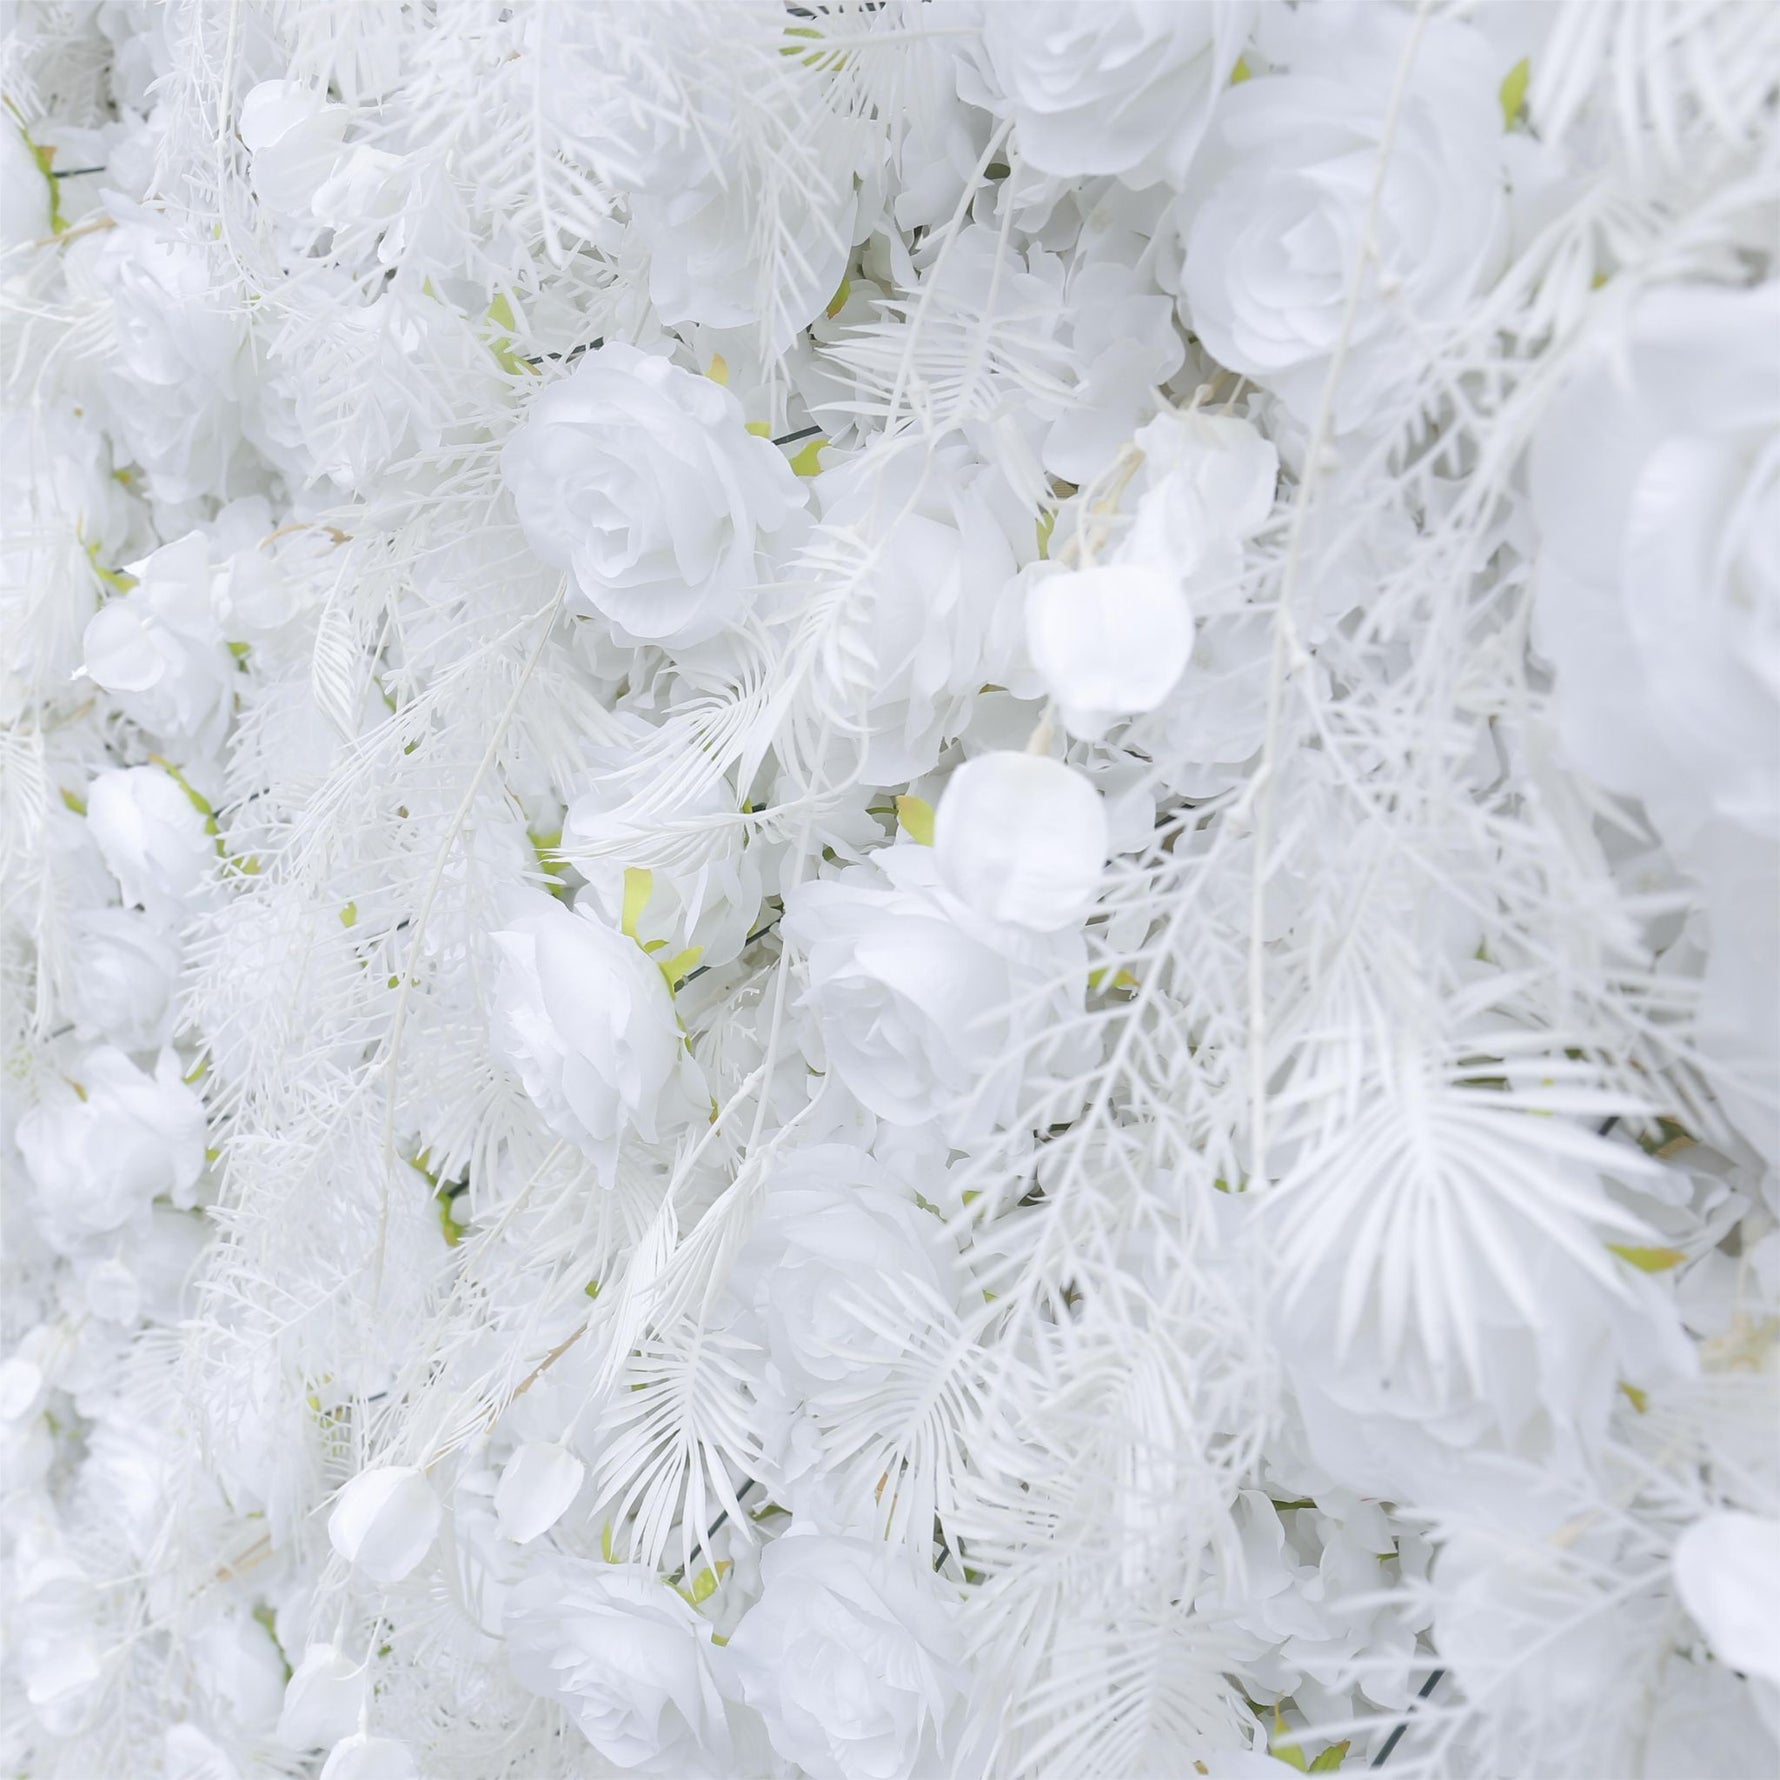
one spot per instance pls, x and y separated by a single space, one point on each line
916 816
74 802
606 1548
677 968
704 1584
592 1288
454 1231
1648 1260
838 301
349 915
1241 72
1047 523
1514 92
1331 1759
806 462
639 886
1639 1400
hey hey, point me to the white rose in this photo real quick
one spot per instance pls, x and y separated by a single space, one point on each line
851 1657
919 1000
1022 838
642 480
123 978
151 835
1656 484
587 1022
921 609
629 1661
384 1521
1727 1573
1121 86
101 1155
1655 481
839 1258
173 381
1281 192
159 650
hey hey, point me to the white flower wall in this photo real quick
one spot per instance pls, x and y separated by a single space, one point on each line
892 891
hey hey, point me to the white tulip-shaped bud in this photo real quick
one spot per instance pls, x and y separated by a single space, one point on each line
536 1488
1021 838
322 1699
1727 1573
364 1757
384 1521
1108 642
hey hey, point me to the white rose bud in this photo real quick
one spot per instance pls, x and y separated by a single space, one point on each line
151 835
1022 838
642 480
851 1658
384 1521
587 1022
537 1486
1727 1573
364 1757
1108 642
322 1699
187 1754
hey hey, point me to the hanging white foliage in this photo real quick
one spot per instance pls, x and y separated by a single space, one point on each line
891 891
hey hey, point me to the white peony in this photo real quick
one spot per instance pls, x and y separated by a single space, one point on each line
587 1022
642 480
159 650
628 1660
151 835
922 1004
1727 1573
384 1521
1121 86
1280 196
99 1156
1022 838
852 1658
